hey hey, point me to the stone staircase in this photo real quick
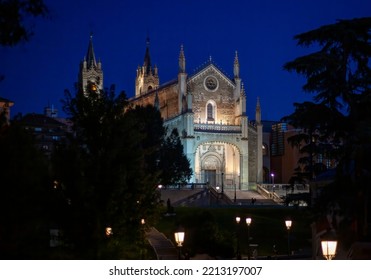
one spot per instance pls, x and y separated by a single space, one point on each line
163 247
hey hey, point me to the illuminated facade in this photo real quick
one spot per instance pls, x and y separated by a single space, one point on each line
209 110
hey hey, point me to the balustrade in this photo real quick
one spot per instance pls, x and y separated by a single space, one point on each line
216 127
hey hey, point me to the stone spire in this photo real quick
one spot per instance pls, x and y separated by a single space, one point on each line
90 56
258 116
147 77
236 72
182 63
147 59
236 67
90 71
182 83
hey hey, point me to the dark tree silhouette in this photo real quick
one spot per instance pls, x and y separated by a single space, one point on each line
339 76
15 26
173 163
25 193
110 172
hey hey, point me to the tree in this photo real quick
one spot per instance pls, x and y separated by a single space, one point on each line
173 163
110 170
25 193
14 19
15 26
109 187
315 138
339 75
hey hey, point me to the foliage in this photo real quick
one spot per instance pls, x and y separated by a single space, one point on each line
173 163
337 124
109 170
213 231
15 26
25 193
316 138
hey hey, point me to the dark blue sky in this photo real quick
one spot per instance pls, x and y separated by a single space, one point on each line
37 72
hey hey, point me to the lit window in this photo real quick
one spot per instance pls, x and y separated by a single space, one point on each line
210 112
93 87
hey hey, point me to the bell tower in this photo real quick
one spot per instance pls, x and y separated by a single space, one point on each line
147 77
90 70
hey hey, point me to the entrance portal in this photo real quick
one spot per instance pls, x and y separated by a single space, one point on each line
210 176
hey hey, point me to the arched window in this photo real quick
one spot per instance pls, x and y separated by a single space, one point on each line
210 112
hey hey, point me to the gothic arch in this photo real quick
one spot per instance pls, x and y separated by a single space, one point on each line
211 111
211 161
218 163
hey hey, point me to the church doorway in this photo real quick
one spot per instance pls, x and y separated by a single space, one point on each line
210 177
218 164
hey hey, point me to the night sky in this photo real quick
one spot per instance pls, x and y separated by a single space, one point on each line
37 72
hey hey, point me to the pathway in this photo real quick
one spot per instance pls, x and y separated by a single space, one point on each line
164 248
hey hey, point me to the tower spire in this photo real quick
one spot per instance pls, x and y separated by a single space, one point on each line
147 77
90 71
90 56
147 58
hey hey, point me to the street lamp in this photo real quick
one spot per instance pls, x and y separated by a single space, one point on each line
288 224
238 253
179 239
329 248
272 175
142 250
248 223
109 231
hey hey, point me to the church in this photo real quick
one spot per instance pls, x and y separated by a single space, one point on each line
208 108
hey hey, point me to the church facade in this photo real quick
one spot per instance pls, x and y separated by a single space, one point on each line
208 108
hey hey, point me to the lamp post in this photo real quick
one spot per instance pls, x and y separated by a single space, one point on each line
272 175
142 222
329 248
288 224
222 183
179 239
248 223
238 253
235 194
